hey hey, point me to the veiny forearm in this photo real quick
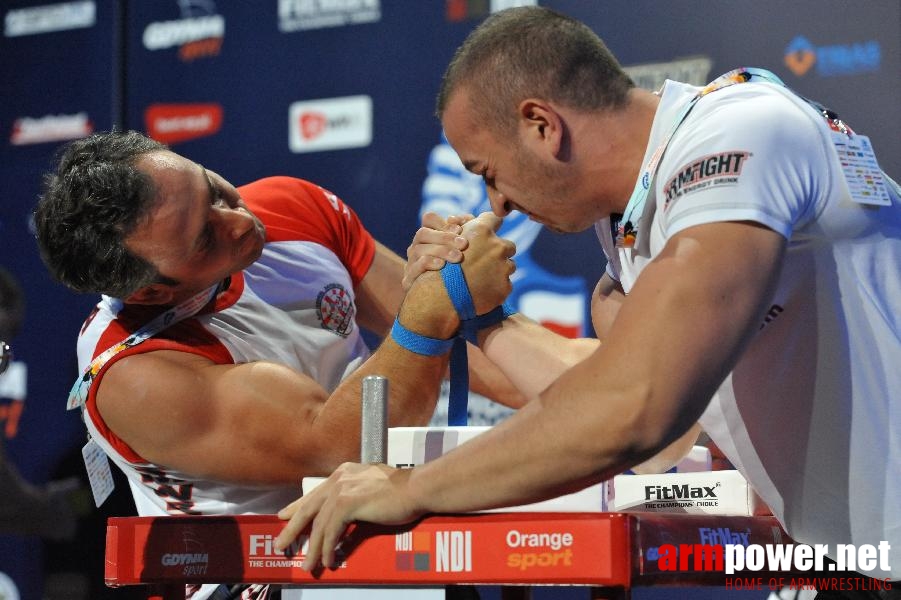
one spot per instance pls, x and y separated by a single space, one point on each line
554 445
646 386
413 379
531 356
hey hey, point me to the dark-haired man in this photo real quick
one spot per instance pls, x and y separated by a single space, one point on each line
224 361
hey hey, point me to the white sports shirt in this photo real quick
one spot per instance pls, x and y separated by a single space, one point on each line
811 414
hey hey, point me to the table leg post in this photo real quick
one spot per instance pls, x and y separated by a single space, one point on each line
166 592
611 593
516 592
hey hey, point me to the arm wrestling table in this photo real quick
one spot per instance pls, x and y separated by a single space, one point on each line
606 552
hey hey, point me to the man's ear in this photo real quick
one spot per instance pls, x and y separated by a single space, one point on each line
155 293
541 125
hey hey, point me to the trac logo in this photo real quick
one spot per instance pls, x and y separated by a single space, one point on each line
330 124
10 412
715 169
199 33
452 551
830 61
557 310
174 123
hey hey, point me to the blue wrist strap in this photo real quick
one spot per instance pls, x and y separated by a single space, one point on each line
452 273
458 397
469 329
470 323
419 344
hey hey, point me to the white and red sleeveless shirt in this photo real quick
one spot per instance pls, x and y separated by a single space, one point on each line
294 306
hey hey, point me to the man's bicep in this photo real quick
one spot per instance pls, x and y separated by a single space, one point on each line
691 313
152 400
249 423
606 300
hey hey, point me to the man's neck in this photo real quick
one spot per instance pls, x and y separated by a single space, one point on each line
617 145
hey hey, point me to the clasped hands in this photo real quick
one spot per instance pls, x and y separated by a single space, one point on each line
378 493
472 241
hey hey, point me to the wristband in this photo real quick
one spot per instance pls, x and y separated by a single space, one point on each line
469 329
420 344
470 324
455 283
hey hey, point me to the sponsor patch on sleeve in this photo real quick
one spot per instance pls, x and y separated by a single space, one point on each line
723 168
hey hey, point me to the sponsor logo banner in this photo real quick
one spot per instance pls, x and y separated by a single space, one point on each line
439 551
49 18
461 10
520 548
793 566
174 123
833 60
199 33
50 128
694 70
559 312
299 15
330 124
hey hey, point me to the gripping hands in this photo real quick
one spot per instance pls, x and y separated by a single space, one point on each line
472 241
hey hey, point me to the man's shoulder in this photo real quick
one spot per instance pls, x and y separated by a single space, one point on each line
279 190
279 184
764 103
105 328
294 209
283 196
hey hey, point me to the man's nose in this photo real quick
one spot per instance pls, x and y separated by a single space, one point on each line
235 221
498 202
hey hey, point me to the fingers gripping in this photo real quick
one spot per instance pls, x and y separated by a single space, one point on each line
435 243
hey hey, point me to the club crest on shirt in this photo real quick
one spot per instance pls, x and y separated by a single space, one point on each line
335 309
708 171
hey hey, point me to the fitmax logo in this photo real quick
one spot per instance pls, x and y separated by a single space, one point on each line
723 535
264 546
678 492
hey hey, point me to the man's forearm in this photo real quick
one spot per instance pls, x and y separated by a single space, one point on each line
414 379
530 355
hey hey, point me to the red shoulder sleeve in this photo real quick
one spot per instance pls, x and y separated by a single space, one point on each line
297 210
